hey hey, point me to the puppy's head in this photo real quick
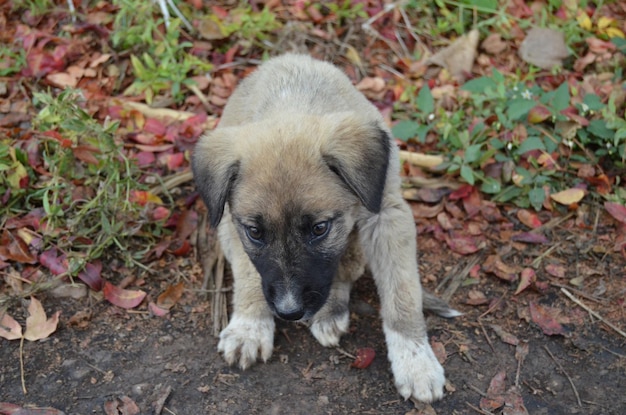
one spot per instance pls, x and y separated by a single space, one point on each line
293 186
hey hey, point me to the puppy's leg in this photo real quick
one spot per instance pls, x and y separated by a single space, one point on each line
388 241
333 320
250 331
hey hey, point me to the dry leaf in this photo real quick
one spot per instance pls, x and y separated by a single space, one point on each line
569 196
544 48
38 326
616 210
493 44
545 318
122 297
458 58
9 328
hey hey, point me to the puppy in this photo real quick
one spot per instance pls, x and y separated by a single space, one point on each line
302 178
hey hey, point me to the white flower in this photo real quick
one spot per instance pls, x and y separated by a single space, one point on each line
527 94
584 107
509 146
569 143
431 117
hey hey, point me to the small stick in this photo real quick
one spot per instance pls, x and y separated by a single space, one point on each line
480 411
486 336
493 307
571 382
593 313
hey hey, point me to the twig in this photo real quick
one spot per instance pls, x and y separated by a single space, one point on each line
22 365
493 307
571 382
458 279
172 181
480 323
593 313
201 96
580 293
480 411
420 159
343 352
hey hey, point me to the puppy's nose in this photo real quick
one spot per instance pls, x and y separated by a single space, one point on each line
292 315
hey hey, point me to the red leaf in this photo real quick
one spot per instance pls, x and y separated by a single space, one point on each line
179 248
462 192
529 218
121 297
170 296
364 357
154 126
527 278
461 244
545 318
13 248
538 114
616 210
530 238
55 263
91 275
494 398
555 270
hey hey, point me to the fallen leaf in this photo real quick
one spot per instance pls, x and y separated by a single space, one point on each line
90 275
494 265
462 244
618 211
170 296
544 48
364 357
505 336
494 399
530 238
422 210
458 58
55 263
9 328
527 278
38 326
493 44
569 196
475 297
545 318
529 218
555 270
11 409
439 349
13 248
121 297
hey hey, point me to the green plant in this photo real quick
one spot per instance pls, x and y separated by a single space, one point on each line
87 193
509 146
11 61
36 7
170 71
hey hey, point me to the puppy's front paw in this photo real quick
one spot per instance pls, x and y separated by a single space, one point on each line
416 370
245 339
328 329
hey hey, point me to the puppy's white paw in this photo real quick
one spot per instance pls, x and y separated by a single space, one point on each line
246 339
416 370
328 330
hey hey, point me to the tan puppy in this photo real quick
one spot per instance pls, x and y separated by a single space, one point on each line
302 177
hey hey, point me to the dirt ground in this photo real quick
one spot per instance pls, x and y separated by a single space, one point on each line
108 357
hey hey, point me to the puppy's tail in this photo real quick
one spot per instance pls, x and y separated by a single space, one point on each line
438 306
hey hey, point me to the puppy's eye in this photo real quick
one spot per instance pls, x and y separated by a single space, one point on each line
320 229
254 233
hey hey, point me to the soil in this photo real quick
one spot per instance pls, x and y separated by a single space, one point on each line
110 357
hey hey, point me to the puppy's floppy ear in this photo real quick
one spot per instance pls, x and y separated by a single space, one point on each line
215 166
358 151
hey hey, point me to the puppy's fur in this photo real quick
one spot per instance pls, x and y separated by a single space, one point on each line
302 177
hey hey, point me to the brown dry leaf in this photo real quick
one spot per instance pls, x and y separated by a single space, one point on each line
494 398
568 196
529 218
458 58
556 270
544 48
475 297
494 265
9 328
493 44
527 278
38 326
505 336
546 318
170 296
422 210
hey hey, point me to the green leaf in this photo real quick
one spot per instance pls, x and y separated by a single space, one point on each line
405 129
490 185
592 101
620 43
518 108
140 70
425 102
467 174
484 5
536 197
508 194
472 153
561 97
479 85
531 143
599 129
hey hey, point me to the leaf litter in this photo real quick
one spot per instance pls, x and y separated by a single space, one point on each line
520 246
